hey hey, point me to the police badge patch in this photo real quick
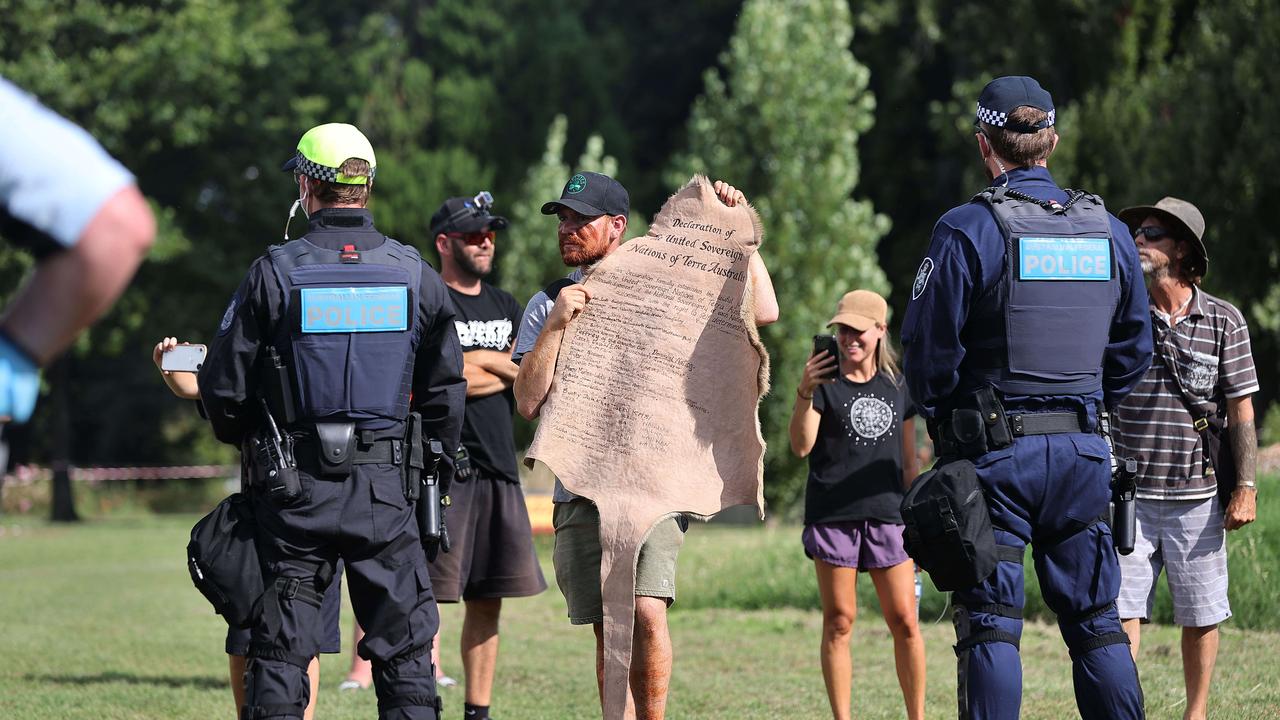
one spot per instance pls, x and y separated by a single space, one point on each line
229 315
922 278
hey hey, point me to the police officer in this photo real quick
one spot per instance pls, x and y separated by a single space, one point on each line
1030 307
357 321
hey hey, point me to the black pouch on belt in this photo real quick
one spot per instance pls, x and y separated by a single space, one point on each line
337 446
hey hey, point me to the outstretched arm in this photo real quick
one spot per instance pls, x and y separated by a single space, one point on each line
70 290
761 283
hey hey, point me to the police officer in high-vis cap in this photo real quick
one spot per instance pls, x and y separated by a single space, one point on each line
1027 318
311 373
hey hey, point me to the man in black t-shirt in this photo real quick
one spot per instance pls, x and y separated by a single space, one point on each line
492 555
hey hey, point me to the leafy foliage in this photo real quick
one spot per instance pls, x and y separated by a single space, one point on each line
202 100
781 120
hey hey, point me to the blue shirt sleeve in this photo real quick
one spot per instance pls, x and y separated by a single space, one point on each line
1128 353
940 297
53 175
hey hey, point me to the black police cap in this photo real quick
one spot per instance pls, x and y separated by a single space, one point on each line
1005 94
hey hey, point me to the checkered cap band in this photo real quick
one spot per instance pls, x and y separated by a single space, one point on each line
998 119
322 172
992 117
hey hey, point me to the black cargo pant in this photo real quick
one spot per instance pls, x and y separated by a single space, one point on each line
365 519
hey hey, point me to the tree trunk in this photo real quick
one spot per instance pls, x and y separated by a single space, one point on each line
63 506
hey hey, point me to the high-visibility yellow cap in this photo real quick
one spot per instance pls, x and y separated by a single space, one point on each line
324 148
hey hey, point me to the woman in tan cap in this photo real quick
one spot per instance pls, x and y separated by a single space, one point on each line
852 420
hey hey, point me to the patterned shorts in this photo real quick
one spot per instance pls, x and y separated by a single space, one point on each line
1187 539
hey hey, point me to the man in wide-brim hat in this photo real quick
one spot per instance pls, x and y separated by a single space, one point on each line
1195 396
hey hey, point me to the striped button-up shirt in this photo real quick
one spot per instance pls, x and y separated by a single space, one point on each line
1207 352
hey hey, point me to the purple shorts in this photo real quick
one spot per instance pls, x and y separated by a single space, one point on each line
861 544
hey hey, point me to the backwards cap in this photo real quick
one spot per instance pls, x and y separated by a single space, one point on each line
324 148
1005 94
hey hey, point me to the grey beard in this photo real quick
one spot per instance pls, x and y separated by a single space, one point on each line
1151 271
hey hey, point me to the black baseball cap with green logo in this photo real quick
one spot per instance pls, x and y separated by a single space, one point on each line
591 194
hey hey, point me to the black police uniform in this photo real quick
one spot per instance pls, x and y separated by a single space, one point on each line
360 321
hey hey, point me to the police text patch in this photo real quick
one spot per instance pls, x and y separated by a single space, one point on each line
1064 258
358 309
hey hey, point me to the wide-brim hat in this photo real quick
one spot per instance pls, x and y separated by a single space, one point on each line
1179 217
861 310
324 148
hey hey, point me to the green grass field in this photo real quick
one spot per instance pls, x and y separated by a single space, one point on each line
101 621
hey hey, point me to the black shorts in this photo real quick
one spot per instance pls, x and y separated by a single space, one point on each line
330 609
492 554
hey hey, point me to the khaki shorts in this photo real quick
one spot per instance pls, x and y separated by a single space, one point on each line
577 560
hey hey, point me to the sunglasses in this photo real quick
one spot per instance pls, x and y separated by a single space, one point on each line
474 238
1151 232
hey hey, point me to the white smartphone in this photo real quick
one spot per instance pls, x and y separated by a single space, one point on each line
183 358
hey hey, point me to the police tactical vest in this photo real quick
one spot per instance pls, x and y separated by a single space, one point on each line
348 330
1043 329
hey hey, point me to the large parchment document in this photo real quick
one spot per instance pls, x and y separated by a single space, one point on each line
653 407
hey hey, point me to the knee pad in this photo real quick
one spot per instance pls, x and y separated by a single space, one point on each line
406 685
966 639
1074 631
273 689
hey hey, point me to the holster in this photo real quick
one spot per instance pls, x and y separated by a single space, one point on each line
337 447
411 471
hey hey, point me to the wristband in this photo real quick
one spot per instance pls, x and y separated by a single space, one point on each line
19 380
802 396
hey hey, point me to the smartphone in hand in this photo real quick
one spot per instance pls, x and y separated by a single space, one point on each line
828 343
183 358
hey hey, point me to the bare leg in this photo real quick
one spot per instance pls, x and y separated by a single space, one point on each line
480 647
313 674
651 659
1133 628
236 663
1199 654
361 671
896 588
838 588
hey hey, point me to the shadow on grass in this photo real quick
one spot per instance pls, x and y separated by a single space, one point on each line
110 678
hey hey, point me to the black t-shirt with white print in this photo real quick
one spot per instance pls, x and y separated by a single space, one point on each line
855 468
488 322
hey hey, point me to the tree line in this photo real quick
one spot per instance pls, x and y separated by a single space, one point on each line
848 125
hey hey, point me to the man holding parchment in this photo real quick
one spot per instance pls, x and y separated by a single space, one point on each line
592 210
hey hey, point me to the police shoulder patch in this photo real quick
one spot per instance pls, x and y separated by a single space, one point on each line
229 315
922 278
